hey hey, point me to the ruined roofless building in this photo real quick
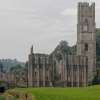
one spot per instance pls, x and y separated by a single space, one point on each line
38 70
61 69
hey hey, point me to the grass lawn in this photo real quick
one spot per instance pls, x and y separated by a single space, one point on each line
2 98
89 93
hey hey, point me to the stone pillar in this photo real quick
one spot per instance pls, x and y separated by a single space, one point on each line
38 74
65 69
44 65
82 71
72 70
30 71
53 67
78 69
69 73
85 78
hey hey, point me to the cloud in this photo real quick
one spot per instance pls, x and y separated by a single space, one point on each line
42 23
69 12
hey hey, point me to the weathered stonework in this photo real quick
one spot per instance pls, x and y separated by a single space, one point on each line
86 36
38 70
62 69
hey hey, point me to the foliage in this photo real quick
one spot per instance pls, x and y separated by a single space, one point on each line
8 63
16 68
62 49
98 46
13 95
65 48
1 82
19 73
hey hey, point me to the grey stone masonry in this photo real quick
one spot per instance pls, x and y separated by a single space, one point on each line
62 69
86 36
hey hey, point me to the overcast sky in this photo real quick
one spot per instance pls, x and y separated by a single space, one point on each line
43 23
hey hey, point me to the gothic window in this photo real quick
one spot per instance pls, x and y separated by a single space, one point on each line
47 78
86 47
85 26
35 74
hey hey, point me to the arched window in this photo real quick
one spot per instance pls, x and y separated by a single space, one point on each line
35 74
86 47
85 26
86 21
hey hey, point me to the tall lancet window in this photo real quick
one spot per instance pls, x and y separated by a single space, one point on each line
85 26
86 47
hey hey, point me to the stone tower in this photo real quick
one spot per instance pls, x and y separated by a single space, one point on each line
31 68
86 36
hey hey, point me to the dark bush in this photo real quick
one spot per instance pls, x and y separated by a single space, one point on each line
2 89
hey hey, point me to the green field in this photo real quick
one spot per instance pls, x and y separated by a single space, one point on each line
89 93
2 98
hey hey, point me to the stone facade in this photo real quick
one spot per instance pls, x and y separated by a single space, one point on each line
49 70
64 69
70 71
38 70
86 36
